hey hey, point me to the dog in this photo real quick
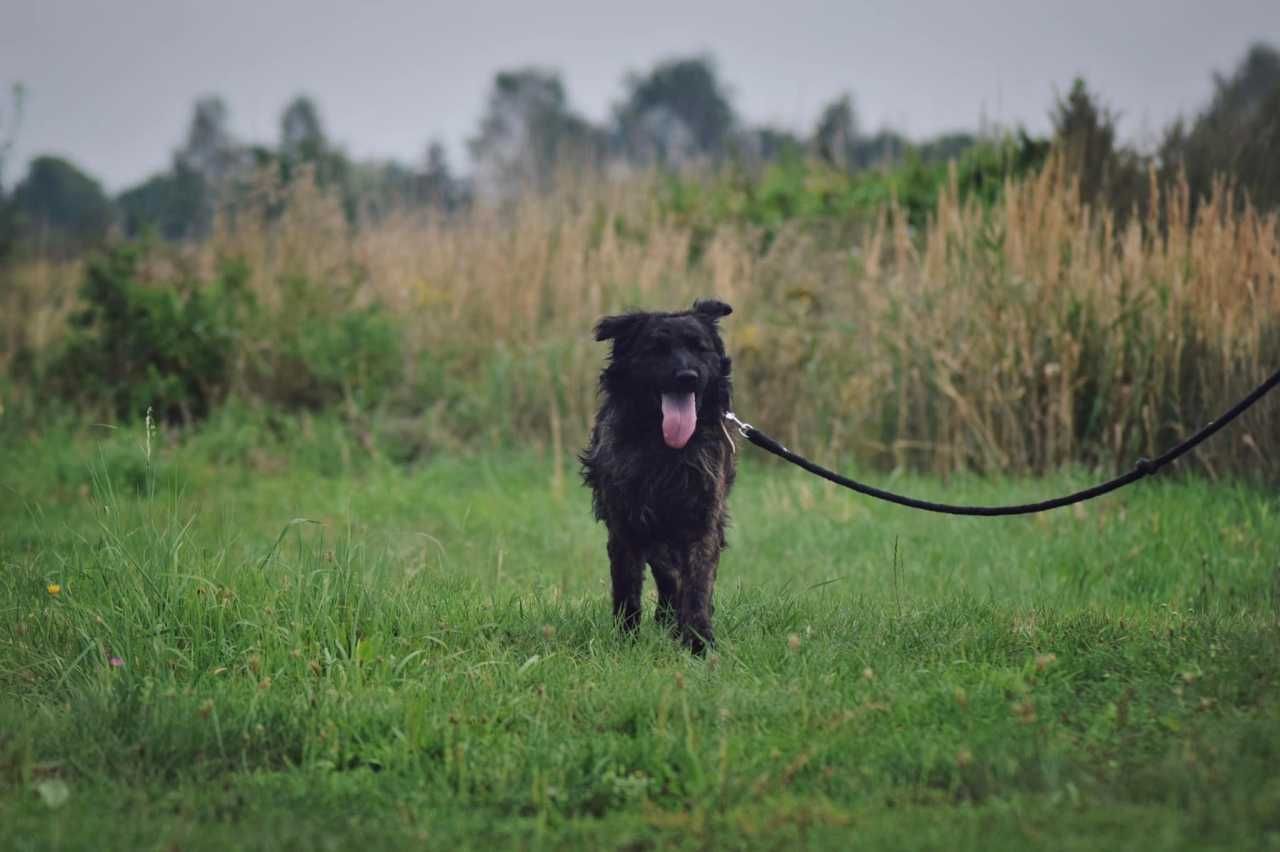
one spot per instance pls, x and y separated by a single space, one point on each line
660 463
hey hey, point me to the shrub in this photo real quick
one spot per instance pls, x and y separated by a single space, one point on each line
181 345
135 345
806 191
318 343
352 357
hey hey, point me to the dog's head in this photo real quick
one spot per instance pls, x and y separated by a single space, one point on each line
673 361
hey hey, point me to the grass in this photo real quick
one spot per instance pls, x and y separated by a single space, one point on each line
319 649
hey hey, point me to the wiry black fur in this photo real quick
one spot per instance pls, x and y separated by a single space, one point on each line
661 505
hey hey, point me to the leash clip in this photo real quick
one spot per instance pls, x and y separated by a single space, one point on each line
743 427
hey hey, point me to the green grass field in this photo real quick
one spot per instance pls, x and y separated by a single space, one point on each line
296 645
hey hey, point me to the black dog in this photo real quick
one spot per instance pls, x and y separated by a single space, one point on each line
660 462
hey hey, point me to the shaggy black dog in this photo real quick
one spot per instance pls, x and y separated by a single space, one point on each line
660 462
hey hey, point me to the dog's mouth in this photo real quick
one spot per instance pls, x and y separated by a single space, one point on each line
679 418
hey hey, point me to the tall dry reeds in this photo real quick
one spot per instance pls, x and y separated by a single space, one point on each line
1017 338
1051 336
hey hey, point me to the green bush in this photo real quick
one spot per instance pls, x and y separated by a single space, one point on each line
795 189
180 347
137 345
355 355
324 358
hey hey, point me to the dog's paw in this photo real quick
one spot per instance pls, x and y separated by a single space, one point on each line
665 616
698 641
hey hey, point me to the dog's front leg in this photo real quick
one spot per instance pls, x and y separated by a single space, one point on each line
626 566
666 573
696 588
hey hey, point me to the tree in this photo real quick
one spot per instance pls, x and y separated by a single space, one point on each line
210 150
8 135
302 136
372 189
174 203
946 146
436 185
1237 134
527 132
62 205
836 133
1085 133
304 144
883 149
755 146
182 202
367 190
1248 91
677 112
9 125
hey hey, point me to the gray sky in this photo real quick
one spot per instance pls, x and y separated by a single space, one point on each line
111 82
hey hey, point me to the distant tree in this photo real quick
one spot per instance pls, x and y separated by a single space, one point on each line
374 189
836 134
885 148
61 206
181 203
1249 89
756 146
173 203
8 229
303 142
210 150
947 146
678 111
527 132
306 147
839 141
302 135
1085 133
436 185
1237 134
9 124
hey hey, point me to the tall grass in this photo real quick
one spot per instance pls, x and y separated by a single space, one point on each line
1017 337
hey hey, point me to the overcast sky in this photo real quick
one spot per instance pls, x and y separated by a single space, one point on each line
110 83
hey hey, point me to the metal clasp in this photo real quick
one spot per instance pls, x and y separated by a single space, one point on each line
743 428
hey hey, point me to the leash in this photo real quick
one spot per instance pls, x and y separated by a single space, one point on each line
1143 468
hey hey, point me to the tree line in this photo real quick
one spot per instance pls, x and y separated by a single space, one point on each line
676 115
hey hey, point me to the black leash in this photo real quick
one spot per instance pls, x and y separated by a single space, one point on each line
1145 467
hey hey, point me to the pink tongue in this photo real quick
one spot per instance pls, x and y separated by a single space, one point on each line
679 416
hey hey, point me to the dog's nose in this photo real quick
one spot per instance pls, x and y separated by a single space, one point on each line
686 379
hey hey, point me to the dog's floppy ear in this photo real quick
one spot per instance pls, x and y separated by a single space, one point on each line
712 308
616 326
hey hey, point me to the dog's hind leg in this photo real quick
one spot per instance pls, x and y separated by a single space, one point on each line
626 566
667 575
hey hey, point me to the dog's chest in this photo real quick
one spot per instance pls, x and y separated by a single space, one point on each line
673 499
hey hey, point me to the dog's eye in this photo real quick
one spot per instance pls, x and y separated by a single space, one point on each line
697 344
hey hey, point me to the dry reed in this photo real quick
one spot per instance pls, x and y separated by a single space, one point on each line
1016 339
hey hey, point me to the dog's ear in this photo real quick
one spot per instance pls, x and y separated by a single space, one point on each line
713 309
613 327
